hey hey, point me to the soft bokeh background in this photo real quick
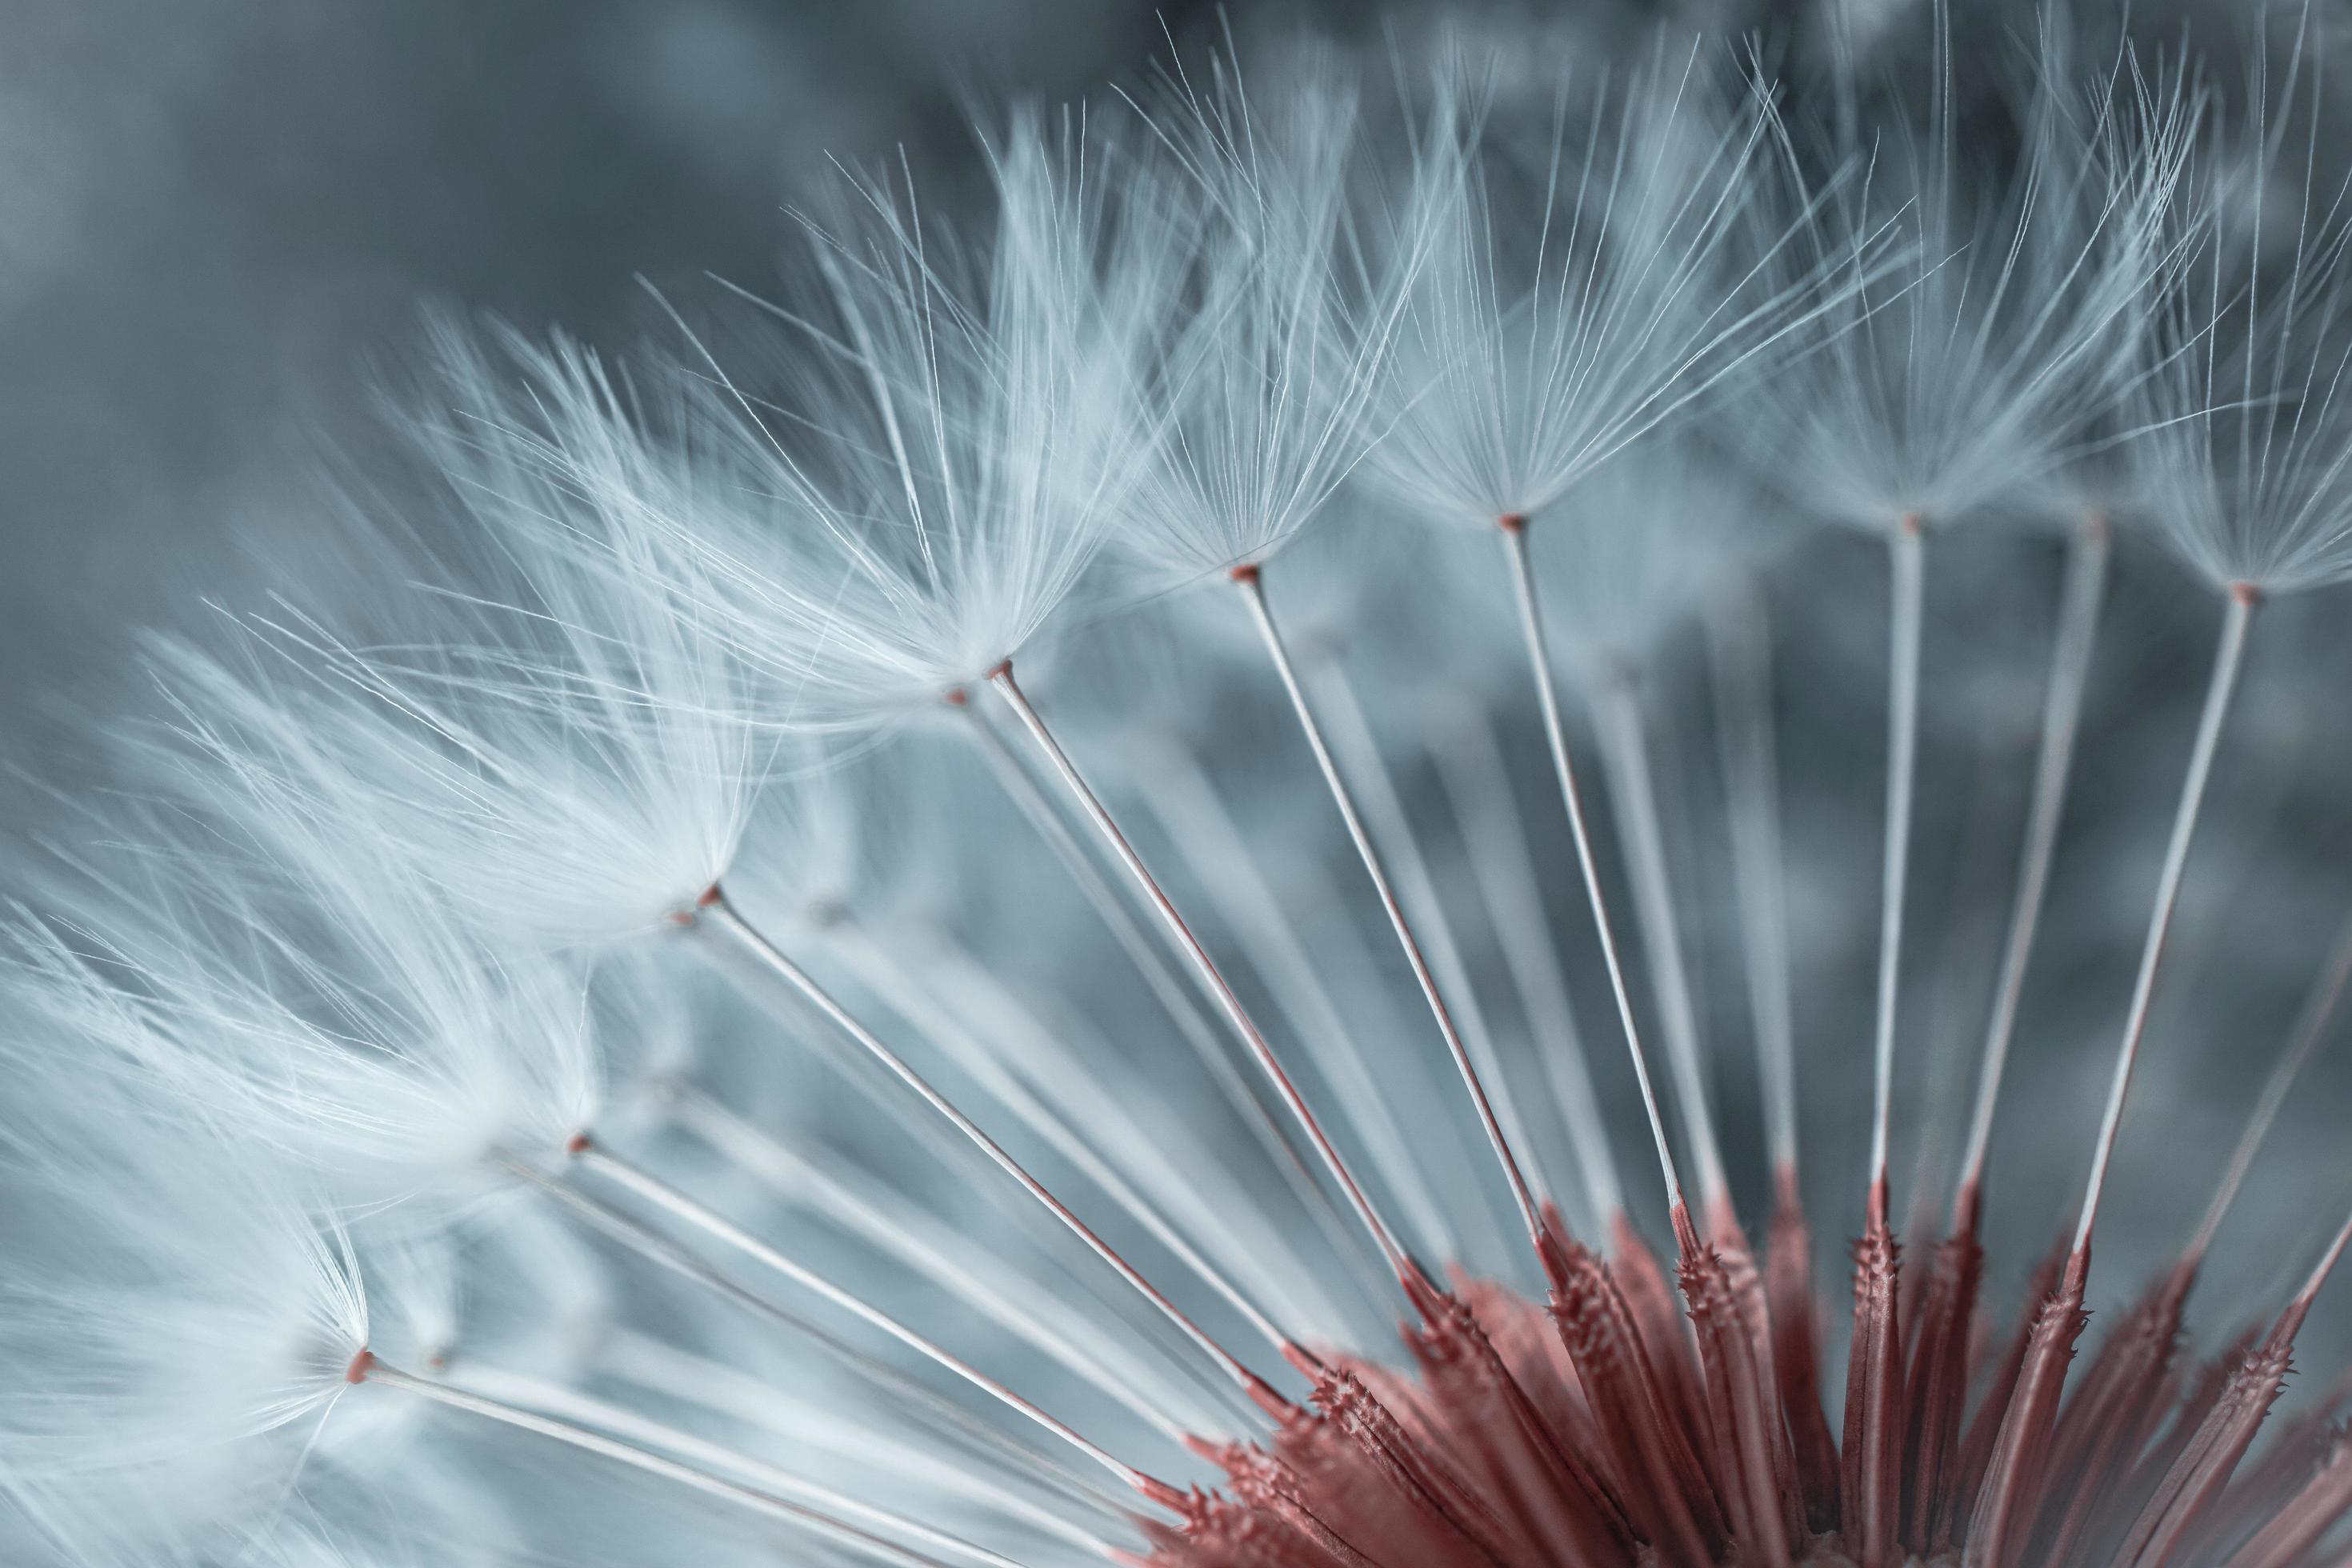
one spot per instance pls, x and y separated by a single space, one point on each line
214 215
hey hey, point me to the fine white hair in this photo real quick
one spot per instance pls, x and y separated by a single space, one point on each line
1261 396
1580 292
1953 386
261 966
174 1328
2243 455
955 428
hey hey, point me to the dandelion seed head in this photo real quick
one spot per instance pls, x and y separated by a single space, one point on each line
950 430
316 1003
1259 397
2243 466
642 1039
1953 385
1576 294
186 1334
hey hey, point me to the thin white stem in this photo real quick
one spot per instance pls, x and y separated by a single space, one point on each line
1100 816
1373 787
1625 752
1069 1341
719 1388
1907 565
1970 937
1477 785
1176 790
1253 593
664 1197
722 914
2062 716
949 1418
1531 629
2227 657
1739 642
764 1502
2319 1272
1210 1201
2310 1028
538 1397
1119 918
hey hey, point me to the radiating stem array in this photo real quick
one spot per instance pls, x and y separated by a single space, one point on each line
1253 593
1105 825
1539 650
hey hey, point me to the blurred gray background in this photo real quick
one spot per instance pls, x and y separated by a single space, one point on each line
217 217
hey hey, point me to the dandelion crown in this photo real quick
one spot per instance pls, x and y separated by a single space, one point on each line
649 1043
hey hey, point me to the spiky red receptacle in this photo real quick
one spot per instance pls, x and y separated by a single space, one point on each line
1536 1437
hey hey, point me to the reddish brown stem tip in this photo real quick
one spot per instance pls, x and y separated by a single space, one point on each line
1163 1494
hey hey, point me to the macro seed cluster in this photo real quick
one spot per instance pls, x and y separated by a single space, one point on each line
649 1041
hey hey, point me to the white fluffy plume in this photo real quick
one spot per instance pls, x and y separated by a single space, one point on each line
1593 269
1261 394
1955 384
172 1331
2244 455
955 427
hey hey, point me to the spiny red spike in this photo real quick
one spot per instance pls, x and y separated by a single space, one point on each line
1222 1532
1870 1486
1664 1342
1737 1400
2274 1480
1555 1492
1266 1484
1669 1497
1326 1471
2188 1415
1729 1243
2296 1522
2000 1387
1795 1316
2114 1409
2205 1464
1939 1382
1521 1332
2015 1474
1428 1482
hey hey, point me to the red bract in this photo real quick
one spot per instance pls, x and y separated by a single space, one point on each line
1544 1434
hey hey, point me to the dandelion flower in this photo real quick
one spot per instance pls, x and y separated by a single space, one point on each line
1160 1134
